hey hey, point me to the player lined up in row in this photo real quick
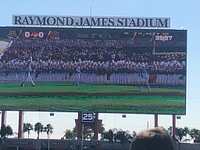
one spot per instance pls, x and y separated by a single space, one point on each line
170 67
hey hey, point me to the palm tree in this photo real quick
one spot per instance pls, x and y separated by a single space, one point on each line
87 133
69 134
180 132
6 131
27 128
109 135
134 133
195 135
102 131
48 129
123 136
38 128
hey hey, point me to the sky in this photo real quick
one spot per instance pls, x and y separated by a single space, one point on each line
184 14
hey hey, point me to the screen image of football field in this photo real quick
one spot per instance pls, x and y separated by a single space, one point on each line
93 70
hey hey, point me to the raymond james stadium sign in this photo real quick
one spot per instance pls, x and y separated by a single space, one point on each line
87 21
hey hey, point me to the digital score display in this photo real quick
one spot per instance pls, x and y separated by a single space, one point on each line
163 37
103 70
34 34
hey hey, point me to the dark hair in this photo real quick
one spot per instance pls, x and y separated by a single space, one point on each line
154 139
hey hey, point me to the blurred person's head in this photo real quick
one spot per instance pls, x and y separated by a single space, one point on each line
153 139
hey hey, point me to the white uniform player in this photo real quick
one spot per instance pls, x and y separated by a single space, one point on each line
78 75
28 76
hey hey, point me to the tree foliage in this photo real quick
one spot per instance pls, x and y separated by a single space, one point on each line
69 134
118 135
38 128
48 129
195 135
6 130
88 133
27 128
180 133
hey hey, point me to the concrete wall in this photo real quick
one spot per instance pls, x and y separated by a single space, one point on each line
187 146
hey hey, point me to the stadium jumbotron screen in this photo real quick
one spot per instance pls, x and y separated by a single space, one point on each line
93 69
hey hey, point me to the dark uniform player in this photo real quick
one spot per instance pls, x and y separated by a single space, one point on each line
152 74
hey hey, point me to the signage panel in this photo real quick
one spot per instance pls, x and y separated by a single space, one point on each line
92 21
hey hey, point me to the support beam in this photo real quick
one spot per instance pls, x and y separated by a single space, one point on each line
21 125
155 120
79 126
173 126
96 126
3 117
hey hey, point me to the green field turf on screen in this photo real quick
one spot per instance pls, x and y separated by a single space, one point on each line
87 97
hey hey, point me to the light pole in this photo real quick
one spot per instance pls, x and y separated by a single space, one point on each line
82 138
51 115
48 142
147 124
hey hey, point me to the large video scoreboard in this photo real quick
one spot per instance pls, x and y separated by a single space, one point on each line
93 69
